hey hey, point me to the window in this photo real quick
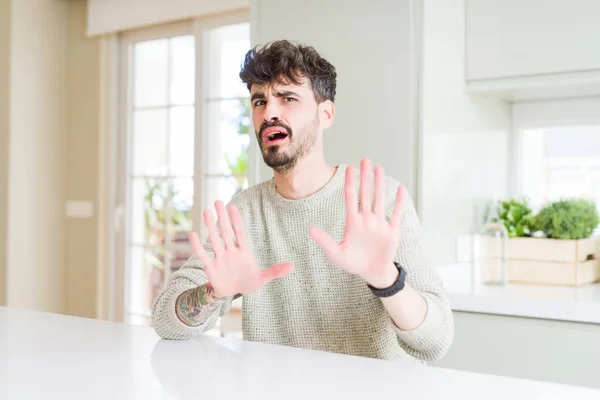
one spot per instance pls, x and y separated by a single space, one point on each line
561 162
186 135
557 150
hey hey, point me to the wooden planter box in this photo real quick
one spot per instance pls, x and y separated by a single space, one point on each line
553 261
544 261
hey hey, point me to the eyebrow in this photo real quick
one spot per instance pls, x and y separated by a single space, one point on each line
286 93
257 95
281 93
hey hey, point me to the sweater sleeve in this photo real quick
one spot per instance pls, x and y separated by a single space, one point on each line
164 318
432 339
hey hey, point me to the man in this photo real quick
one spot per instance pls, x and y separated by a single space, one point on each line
324 260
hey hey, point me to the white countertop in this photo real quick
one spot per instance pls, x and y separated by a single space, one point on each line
48 356
577 304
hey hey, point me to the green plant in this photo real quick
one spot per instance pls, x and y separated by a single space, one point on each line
155 219
239 165
516 216
244 122
239 168
567 219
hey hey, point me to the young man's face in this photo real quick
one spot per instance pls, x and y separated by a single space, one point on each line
287 120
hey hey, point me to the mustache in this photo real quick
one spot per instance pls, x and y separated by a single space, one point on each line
267 125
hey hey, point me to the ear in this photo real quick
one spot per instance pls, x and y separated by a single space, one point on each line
327 113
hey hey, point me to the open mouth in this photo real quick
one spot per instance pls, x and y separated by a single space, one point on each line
274 135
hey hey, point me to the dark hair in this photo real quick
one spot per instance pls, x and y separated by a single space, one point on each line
286 62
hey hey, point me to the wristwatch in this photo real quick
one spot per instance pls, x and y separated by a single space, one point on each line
396 286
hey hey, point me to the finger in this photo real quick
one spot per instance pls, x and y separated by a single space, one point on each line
275 272
379 206
238 225
350 193
398 207
365 186
199 250
213 234
329 245
225 225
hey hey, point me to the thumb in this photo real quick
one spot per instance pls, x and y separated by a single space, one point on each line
275 272
329 245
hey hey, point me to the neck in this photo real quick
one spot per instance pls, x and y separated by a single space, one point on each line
306 178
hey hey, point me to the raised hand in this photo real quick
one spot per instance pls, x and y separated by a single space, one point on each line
370 241
233 268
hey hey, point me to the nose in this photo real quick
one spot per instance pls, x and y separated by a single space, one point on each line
272 110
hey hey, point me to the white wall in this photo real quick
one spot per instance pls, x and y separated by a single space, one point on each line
36 173
4 140
369 44
465 138
105 16
52 69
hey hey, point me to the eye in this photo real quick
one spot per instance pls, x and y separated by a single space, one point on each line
290 99
259 103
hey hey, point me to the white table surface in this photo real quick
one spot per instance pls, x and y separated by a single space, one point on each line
576 304
48 356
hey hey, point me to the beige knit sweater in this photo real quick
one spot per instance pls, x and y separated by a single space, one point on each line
318 306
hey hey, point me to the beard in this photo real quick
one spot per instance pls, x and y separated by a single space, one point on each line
283 160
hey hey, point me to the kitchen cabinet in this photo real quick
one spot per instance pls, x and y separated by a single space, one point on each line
540 332
547 45
528 348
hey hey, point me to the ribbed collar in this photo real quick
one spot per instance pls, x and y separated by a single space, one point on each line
336 182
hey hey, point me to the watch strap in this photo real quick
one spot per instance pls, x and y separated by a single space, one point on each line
396 286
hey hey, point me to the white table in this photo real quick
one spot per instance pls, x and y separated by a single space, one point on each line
48 356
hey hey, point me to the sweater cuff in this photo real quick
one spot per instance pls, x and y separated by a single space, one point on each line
183 329
424 336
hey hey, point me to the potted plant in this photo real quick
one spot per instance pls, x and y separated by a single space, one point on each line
555 246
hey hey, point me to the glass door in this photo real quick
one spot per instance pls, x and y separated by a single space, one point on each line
185 145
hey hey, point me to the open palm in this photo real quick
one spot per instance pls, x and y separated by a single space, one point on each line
233 268
370 241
